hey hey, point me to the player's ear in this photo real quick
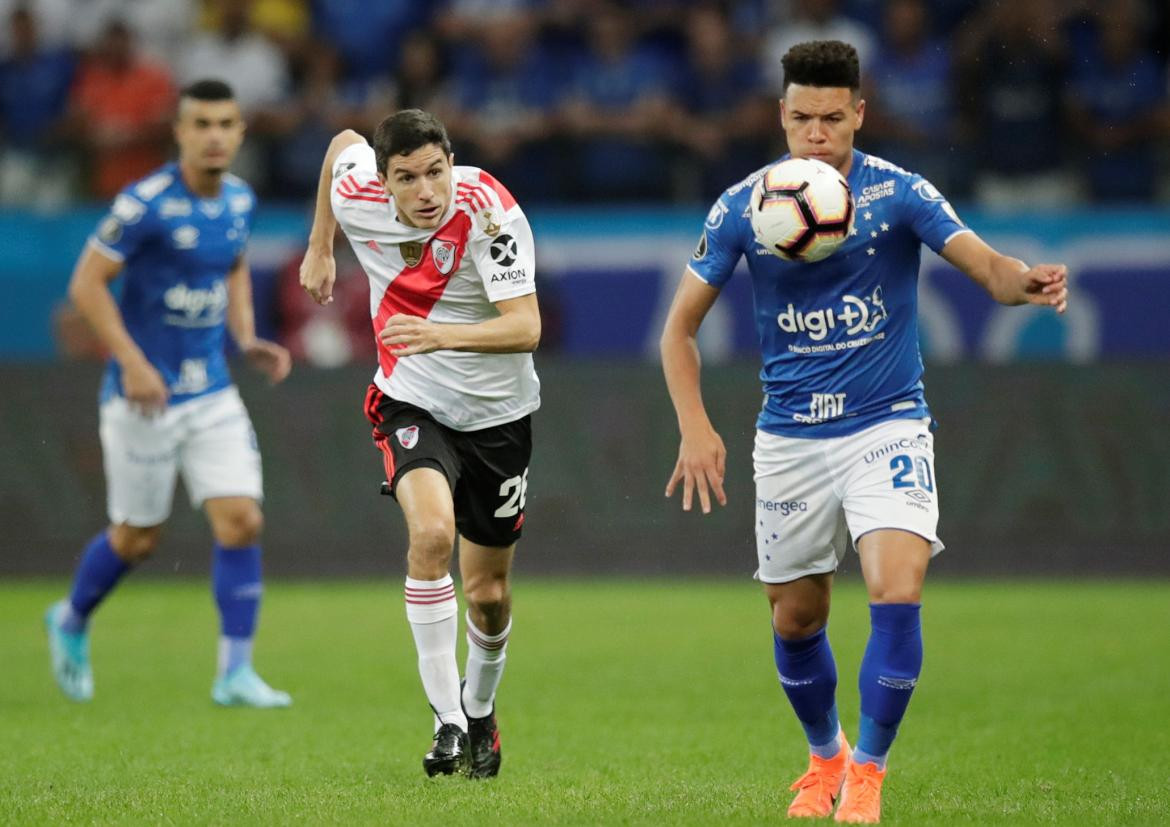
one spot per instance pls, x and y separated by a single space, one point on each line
451 160
860 113
783 112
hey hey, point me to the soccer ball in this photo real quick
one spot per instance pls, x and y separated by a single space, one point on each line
802 210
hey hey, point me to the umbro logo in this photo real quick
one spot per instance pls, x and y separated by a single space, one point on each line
897 683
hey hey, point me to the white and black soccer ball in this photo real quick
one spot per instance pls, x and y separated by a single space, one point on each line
802 210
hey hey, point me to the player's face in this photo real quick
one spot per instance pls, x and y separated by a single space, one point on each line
819 122
209 134
420 184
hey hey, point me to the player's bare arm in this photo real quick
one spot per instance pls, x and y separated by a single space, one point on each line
318 269
1008 280
515 330
89 290
269 358
701 455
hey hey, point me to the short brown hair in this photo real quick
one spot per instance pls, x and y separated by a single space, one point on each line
822 63
404 132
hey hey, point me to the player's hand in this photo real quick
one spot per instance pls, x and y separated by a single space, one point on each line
1046 285
144 388
701 464
407 335
318 273
269 358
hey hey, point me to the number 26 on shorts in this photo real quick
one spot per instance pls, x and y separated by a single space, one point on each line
514 490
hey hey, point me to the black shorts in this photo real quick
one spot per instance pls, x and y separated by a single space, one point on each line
486 469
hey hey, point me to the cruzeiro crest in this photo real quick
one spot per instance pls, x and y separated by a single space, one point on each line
443 252
411 252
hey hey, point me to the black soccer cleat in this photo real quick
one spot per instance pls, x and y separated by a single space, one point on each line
449 753
484 736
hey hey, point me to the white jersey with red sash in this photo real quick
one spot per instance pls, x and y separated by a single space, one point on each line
481 253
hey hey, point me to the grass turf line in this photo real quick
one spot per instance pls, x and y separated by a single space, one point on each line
623 702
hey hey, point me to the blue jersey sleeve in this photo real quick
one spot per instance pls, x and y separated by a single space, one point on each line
719 246
125 227
931 216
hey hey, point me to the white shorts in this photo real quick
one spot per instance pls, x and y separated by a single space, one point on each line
812 494
209 439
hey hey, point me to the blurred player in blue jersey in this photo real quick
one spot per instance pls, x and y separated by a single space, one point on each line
168 404
844 444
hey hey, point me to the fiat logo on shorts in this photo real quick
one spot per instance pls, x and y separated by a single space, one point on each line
407 437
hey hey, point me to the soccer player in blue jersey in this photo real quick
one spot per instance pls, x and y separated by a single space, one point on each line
844 443
168 404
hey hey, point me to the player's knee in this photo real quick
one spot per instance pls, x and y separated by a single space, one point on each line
906 593
432 541
797 623
238 527
488 596
135 543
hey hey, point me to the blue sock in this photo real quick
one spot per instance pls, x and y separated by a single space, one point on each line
97 574
235 577
889 671
808 674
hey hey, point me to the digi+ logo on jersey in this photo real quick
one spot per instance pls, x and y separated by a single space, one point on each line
196 306
856 315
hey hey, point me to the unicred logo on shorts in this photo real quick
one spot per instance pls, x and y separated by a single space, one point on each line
407 437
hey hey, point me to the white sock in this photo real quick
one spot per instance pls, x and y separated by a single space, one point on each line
434 620
485 667
233 652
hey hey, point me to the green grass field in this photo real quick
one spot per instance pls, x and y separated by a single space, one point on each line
624 702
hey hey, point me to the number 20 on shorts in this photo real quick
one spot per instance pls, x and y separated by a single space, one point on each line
912 472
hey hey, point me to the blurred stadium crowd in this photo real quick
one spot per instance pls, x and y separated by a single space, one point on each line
1002 102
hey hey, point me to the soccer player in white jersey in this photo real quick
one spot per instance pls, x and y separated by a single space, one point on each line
450 259
168 405
844 443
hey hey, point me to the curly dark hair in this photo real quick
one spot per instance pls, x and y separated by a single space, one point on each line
404 132
822 63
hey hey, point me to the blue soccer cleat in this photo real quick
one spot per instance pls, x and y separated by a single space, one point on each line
243 687
69 656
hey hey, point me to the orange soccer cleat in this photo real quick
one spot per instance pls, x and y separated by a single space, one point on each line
818 788
861 797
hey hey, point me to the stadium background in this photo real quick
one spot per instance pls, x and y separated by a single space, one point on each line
616 125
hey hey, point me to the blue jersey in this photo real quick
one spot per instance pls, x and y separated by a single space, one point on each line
839 336
177 249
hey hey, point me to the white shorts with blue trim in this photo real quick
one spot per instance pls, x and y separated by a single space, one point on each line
812 495
208 439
